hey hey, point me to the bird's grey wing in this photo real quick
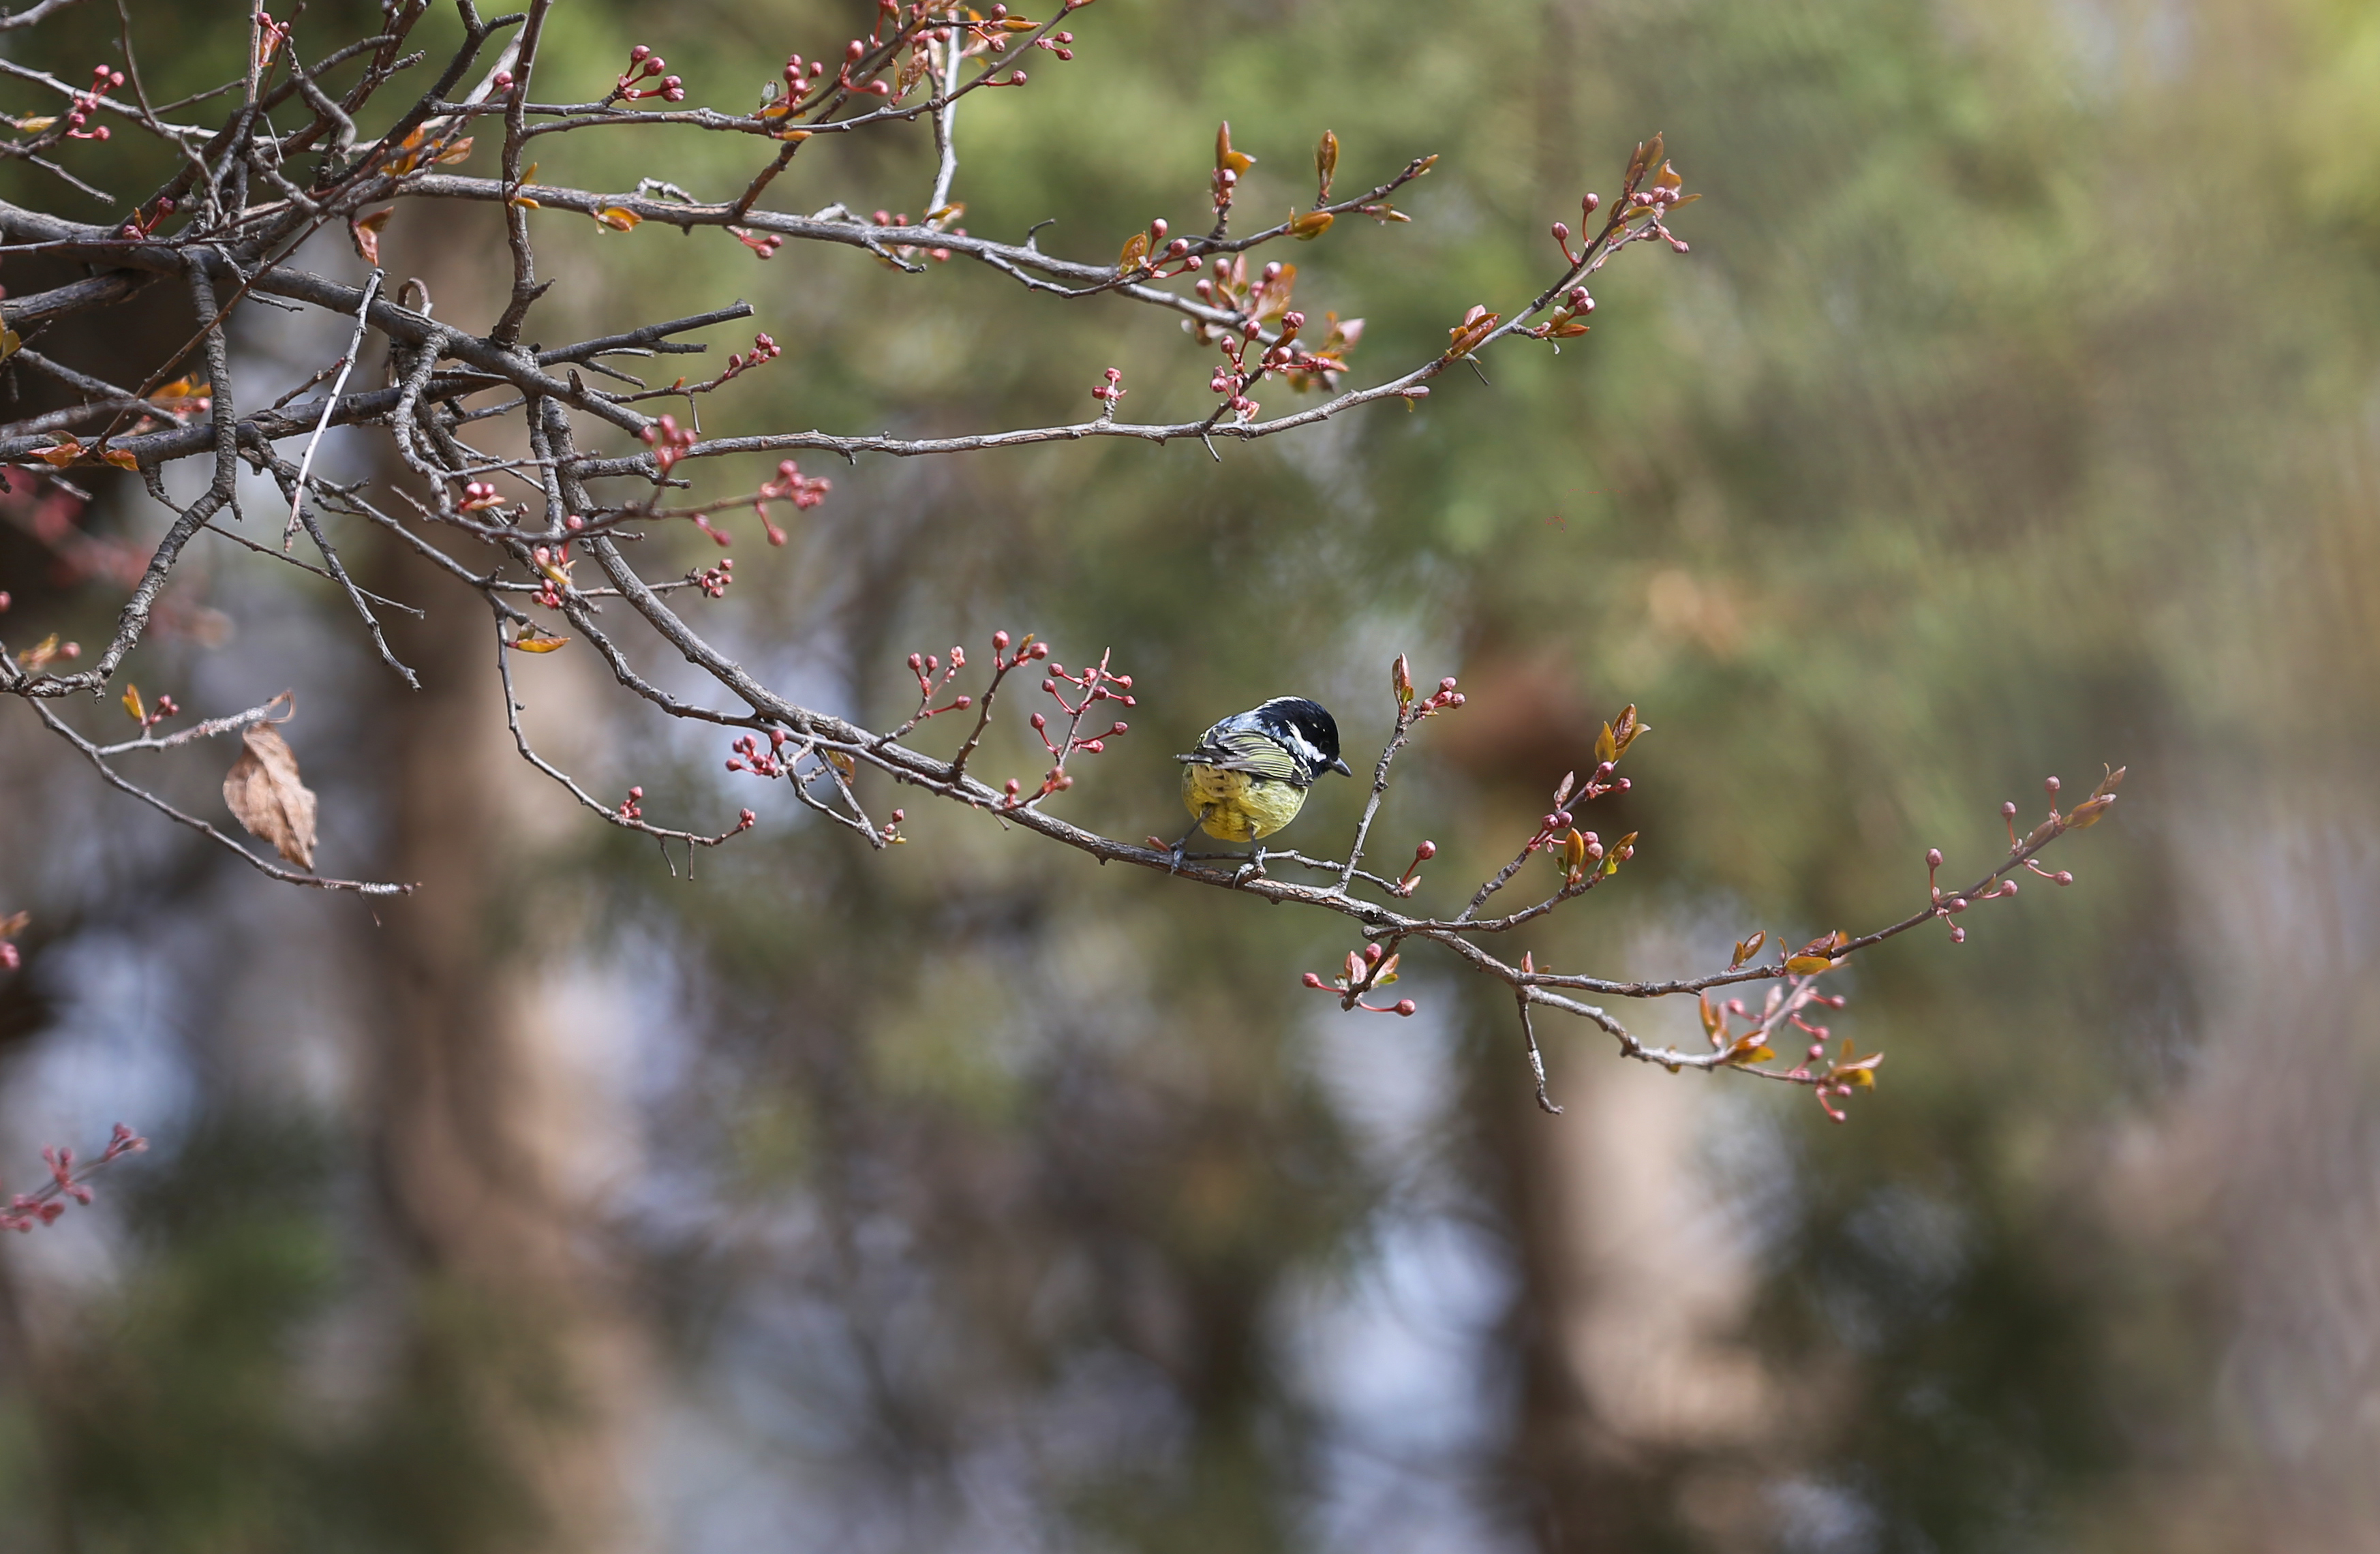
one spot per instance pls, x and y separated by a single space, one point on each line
1258 754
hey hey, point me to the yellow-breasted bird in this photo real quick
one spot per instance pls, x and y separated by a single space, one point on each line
1250 775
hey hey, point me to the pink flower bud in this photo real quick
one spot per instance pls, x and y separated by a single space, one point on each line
1311 980
999 641
1591 202
1561 232
1094 746
1427 851
1039 722
1372 953
2051 783
636 793
1933 858
2009 810
1958 934
2063 876
1040 650
1406 1006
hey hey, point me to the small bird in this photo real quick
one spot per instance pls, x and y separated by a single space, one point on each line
1250 775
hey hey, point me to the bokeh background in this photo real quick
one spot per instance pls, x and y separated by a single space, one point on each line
2017 410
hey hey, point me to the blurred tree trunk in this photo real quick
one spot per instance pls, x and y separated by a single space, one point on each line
489 1129
1637 1405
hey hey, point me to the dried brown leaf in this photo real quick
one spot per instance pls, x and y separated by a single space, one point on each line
263 790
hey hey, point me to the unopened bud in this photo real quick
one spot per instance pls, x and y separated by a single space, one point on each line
1311 980
1561 232
2008 809
1372 954
1406 1006
999 641
1590 202
1933 858
2051 783
1427 851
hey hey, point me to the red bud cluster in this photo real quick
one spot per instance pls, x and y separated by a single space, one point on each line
749 757
86 103
643 66
668 442
765 244
1364 970
43 1206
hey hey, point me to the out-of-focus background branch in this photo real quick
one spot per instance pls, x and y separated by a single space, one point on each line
2014 412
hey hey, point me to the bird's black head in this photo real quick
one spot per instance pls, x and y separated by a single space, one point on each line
1307 728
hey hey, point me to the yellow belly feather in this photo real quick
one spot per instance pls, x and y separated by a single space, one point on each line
1235 807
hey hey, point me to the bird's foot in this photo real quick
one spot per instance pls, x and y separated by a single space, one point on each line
1251 870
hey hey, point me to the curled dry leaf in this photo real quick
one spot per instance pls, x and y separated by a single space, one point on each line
364 232
263 790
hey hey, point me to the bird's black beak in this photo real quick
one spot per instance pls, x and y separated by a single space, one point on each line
1339 767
